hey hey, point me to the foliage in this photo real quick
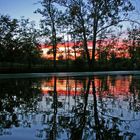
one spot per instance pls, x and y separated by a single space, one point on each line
8 39
79 21
18 40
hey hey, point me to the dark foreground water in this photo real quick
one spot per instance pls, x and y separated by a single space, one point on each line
70 108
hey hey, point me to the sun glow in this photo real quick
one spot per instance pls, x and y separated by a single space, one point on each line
72 50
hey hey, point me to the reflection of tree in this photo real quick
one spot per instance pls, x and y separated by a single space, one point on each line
68 89
87 117
17 97
135 94
106 126
96 117
78 123
97 113
53 130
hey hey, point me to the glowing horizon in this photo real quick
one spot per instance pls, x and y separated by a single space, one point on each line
120 49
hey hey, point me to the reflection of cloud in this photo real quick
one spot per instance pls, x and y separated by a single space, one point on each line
115 86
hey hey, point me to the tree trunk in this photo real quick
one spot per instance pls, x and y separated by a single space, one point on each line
86 50
54 42
94 44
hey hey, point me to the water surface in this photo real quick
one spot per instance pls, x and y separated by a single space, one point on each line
105 107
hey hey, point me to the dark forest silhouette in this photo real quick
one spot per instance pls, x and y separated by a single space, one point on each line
80 21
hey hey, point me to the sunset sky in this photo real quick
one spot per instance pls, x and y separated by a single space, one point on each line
18 8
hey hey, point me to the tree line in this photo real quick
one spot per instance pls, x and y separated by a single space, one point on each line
18 41
80 21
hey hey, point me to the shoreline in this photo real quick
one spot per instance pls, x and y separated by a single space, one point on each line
65 74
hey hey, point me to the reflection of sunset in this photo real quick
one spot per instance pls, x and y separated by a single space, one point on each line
64 86
109 85
39 103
